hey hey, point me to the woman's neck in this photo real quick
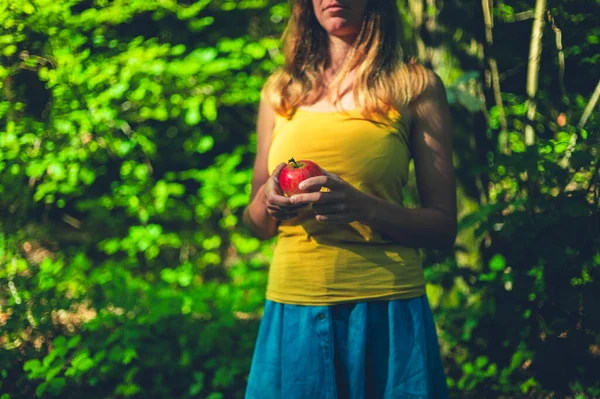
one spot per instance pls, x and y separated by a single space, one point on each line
339 47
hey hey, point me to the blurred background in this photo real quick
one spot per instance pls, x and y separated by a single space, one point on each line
127 138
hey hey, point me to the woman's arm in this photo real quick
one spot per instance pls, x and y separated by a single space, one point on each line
256 217
434 224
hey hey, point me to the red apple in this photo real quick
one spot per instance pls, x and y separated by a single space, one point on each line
296 172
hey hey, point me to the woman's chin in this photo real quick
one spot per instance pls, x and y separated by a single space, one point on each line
341 29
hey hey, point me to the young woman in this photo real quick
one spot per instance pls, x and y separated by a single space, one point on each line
346 314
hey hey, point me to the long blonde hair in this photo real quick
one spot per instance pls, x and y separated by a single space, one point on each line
384 81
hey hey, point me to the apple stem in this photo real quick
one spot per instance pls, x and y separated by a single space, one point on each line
295 163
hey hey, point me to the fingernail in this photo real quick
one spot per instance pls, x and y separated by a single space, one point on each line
293 199
301 186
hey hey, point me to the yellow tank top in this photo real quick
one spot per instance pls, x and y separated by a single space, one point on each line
316 263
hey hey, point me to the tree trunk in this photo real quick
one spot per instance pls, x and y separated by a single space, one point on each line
533 68
488 17
416 9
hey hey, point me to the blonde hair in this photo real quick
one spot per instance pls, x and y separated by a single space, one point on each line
384 82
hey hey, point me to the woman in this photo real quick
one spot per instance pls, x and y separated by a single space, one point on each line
346 314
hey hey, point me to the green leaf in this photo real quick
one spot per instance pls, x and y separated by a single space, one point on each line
53 372
74 341
527 385
39 391
178 50
497 263
9 50
168 275
127 389
488 276
58 384
255 50
59 341
468 368
561 147
204 55
238 200
209 108
32 365
82 362
481 361
28 8
85 364
129 355
198 385
205 144
192 116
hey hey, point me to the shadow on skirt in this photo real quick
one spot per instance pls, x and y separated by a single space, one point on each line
361 350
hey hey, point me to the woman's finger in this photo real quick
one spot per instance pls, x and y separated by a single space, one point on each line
286 216
332 218
326 208
318 196
328 174
280 200
331 182
294 207
286 208
278 170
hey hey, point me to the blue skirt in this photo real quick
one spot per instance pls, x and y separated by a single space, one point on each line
360 350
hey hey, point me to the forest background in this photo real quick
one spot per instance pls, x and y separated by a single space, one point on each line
127 138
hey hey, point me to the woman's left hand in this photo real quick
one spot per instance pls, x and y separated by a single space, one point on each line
341 204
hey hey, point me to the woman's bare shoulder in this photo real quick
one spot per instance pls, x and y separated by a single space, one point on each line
424 83
426 88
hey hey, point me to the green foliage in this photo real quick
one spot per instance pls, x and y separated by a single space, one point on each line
126 148
520 319
124 175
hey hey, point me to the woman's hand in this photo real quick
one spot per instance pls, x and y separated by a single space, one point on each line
278 205
341 204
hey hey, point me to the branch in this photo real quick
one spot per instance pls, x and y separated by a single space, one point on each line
8 94
592 183
590 107
586 114
512 71
521 16
533 68
488 17
561 58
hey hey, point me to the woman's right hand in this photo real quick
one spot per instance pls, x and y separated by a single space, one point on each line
278 205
